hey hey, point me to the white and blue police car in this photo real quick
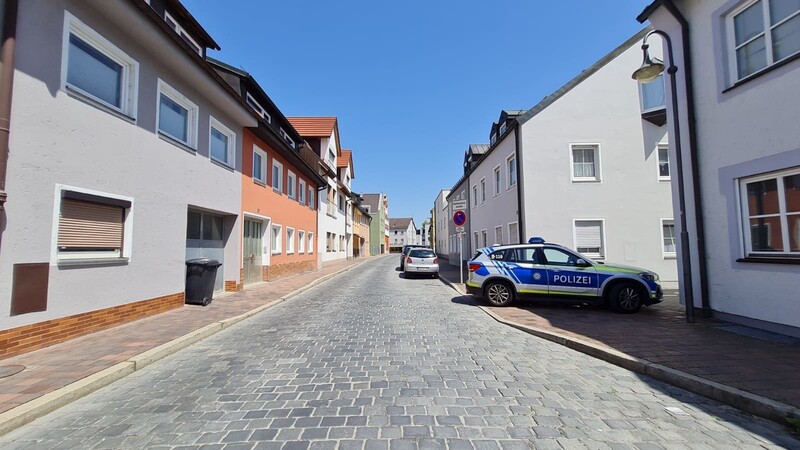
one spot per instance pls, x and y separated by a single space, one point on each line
504 273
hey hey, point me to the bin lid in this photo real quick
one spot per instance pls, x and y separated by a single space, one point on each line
203 262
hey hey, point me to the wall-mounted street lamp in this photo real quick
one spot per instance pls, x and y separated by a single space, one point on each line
650 70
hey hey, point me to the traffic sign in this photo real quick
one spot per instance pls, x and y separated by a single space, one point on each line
459 218
458 205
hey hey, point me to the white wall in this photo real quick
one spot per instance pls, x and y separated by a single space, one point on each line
336 223
58 139
741 131
443 219
604 110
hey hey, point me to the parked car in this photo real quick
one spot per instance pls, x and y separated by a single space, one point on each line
404 253
504 273
421 261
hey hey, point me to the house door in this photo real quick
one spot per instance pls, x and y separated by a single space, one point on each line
252 250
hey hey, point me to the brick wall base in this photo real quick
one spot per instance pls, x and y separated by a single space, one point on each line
31 337
274 272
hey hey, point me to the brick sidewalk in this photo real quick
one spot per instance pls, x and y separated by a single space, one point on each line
55 367
750 360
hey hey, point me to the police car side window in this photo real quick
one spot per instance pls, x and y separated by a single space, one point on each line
527 255
557 257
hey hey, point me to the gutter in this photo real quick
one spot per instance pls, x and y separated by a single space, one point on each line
8 36
520 211
693 159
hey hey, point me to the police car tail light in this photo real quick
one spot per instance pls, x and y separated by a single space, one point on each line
473 267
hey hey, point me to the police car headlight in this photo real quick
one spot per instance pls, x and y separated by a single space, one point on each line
649 276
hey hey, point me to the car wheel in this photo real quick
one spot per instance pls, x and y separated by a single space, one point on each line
626 298
499 293
436 275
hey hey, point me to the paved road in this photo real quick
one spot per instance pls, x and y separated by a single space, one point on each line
374 361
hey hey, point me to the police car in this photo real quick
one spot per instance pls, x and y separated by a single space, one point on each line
504 273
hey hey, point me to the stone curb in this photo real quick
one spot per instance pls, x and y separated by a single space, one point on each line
38 407
742 400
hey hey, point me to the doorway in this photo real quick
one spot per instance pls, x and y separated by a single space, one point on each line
253 250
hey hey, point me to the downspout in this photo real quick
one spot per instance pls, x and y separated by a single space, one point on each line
693 159
517 157
8 36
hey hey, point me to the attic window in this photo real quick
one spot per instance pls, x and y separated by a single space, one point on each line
502 128
251 102
493 139
288 139
182 33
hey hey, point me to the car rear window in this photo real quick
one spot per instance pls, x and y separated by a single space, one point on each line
422 254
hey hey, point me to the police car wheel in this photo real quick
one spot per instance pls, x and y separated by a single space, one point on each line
499 294
626 298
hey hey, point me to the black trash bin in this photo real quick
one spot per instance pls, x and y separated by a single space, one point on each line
200 276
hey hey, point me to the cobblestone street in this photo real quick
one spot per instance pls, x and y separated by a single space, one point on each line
371 360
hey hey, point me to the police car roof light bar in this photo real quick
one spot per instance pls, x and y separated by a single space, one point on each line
536 240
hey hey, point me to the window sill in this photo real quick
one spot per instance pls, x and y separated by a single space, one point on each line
771 260
275 253
665 179
671 256
222 164
276 190
762 72
586 180
91 101
260 183
92 262
177 143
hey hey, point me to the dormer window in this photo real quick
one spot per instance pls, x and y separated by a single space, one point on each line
503 128
286 137
182 33
331 158
493 139
251 102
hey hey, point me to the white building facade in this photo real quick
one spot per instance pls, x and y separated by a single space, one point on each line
402 232
441 221
742 158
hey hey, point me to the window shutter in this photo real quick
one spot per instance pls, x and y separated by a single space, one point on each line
587 234
87 225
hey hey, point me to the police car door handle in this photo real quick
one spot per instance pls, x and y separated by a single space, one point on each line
556 270
512 266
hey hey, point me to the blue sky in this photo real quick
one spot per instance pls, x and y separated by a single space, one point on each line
413 82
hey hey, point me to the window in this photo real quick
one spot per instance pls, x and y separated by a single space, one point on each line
259 165
511 166
311 203
771 214
251 102
503 128
331 158
97 69
526 255
205 227
301 241
668 237
485 238
558 257
652 94
221 142
483 190
498 235
287 138
310 242
182 33
328 242
342 244
276 239
277 176
341 203
474 195
289 241
301 192
477 241
291 184
663 162
762 33
513 233
92 226
493 139
585 163
497 185
589 238
177 116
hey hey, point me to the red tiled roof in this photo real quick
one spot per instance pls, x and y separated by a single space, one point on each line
344 160
313 126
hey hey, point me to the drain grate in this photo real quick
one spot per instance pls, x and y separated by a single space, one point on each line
7 371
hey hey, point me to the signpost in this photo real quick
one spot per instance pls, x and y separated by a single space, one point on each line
459 219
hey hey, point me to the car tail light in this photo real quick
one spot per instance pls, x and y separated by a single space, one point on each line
473 267
436 260
409 260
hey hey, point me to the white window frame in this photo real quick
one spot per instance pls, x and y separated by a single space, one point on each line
310 242
477 240
664 253
515 226
597 178
483 190
485 237
767 33
499 229
279 187
492 139
603 254
287 138
783 214
291 185
301 242
263 155
183 33
127 227
252 103
511 159
498 180
660 147
192 116
130 74
276 244
231 150
301 191
503 128
474 195
311 202
290 237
